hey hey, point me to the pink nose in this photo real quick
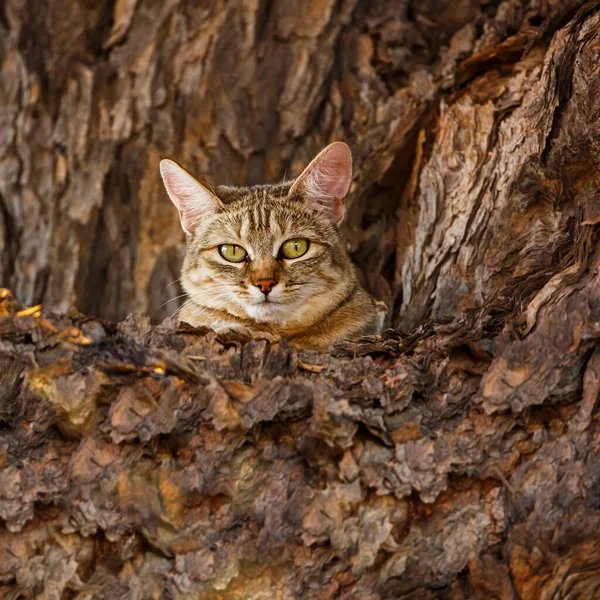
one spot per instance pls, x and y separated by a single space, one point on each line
265 285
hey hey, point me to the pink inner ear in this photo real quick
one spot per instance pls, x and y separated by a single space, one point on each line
190 197
176 191
330 174
326 180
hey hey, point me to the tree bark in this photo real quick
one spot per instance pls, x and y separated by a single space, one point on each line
457 456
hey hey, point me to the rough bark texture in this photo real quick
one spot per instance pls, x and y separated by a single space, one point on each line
457 456
142 462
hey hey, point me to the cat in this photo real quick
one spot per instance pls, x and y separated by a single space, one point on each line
268 261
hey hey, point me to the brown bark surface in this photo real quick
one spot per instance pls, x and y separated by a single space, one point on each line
457 456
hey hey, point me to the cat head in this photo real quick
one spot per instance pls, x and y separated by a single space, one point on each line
269 253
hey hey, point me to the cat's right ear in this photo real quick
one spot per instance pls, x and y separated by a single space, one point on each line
192 199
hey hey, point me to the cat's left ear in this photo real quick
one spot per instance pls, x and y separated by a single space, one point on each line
191 198
326 181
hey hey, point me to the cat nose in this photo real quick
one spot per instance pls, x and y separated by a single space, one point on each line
265 285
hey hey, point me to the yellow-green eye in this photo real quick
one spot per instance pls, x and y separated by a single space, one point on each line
232 253
294 248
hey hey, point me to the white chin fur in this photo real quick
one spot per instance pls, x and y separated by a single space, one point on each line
267 312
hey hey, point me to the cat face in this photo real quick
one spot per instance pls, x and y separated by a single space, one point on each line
267 253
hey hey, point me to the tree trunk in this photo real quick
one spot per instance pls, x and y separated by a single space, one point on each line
457 456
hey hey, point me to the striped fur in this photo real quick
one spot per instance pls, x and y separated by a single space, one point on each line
317 298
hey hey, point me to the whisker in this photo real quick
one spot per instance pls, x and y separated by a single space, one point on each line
201 303
172 300
180 308
173 282
200 299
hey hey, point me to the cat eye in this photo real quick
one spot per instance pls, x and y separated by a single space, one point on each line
294 248
232 252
